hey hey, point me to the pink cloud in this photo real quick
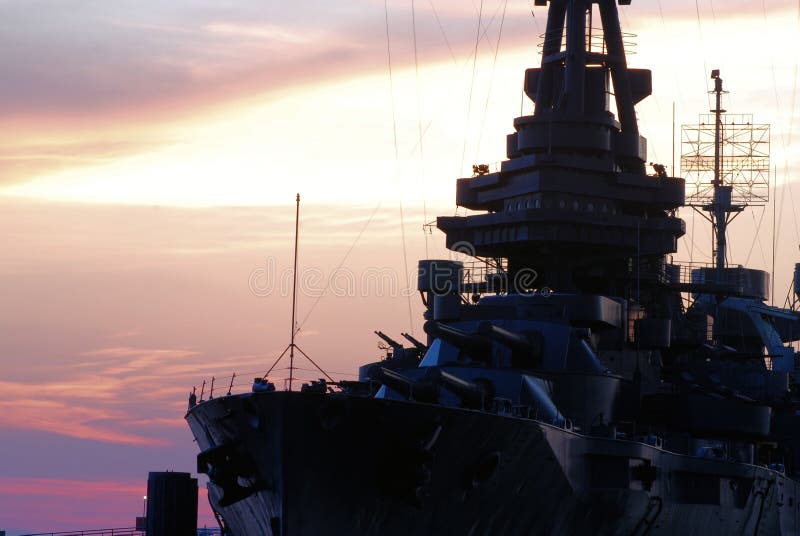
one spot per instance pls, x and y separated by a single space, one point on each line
67 419
92 396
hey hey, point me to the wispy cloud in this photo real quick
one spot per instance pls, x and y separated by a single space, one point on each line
267 32
23 162
93 397
64 417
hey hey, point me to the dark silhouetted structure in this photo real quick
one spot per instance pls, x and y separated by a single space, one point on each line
171 504
575 379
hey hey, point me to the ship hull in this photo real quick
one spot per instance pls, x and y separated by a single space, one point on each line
310 464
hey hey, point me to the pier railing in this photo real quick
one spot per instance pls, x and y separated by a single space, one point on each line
125 531
93 532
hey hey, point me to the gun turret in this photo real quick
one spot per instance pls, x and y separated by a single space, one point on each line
417 344
515 341
477 346
472 394
527 348
419 390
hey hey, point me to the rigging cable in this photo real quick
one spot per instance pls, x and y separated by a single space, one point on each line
405 268
441 29
705 66
391 78
485 26
538 33
341 263
786 162
378 206
774 202
757 238
419 134
472 85
785 143
488 26
790 135
491 78
397 162
536 21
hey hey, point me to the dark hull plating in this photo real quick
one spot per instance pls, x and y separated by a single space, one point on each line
333 464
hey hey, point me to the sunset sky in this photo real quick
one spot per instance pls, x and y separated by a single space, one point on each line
150 157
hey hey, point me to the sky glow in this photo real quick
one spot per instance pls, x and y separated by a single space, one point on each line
149 165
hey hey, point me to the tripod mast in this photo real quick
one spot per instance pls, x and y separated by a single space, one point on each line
291 347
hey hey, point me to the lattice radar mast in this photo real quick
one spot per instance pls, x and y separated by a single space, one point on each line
725 161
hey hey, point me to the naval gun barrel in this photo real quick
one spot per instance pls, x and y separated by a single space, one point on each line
420 390
390 341
477 346
527 346
472 394
417 344
515 341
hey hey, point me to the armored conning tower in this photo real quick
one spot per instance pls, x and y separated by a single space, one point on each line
573 201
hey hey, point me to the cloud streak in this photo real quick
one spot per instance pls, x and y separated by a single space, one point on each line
110 69
93 397
21 162
94 58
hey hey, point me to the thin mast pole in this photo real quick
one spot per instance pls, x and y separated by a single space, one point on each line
294 291
722 199
674 172
774 224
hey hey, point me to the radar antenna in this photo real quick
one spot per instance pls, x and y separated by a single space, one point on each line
725 162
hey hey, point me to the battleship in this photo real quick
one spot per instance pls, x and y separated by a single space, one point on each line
580 382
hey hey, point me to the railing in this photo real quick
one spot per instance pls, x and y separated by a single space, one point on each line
238 382
706 279
595 41
118 532
95 532
700 273
245 382
483 276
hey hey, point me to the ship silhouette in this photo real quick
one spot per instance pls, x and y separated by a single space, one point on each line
579 383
